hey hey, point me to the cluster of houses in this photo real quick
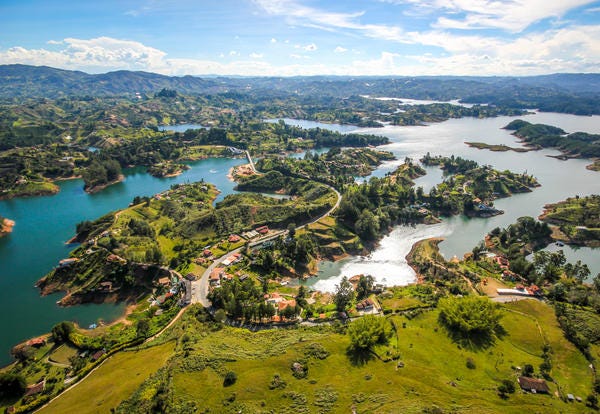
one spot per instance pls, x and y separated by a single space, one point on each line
259 231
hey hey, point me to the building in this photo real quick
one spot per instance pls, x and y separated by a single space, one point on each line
106 286
67 262
234 238
533 385
98 354
35 388
164 281
365 306
216 275
281 305
262 229
234 258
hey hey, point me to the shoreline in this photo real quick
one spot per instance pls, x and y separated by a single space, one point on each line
98 188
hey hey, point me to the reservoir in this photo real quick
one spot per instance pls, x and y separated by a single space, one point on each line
559 180
43 224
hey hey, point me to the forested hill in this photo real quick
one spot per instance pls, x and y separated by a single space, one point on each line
569 93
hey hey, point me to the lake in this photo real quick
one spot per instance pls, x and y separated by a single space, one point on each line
43 224
559 179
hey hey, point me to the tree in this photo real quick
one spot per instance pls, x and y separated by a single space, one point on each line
61 331
220 315
301 296
23 353
12 385
364 286
368 331
527 370
506 387
142 328
291 230
470 315
592 400
367 225
344 294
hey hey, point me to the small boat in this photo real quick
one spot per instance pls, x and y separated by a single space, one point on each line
560 244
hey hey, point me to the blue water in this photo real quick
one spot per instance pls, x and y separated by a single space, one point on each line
43 224
180 127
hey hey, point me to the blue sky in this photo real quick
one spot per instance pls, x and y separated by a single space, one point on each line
304 37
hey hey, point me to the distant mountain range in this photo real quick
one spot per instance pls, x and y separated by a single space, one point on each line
19 81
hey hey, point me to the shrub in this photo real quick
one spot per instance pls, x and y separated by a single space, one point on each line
471 363
12 385
230 379
506 387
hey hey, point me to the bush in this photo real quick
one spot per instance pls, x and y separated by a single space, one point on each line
230 379
12 385
506 387
471 363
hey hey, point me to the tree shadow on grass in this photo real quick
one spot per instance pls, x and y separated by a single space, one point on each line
475 340
358 356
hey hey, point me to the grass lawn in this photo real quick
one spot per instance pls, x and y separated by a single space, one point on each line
434 371
63 353
114 381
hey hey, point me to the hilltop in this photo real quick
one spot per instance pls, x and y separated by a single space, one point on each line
567 93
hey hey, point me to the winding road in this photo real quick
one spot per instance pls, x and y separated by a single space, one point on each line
200 286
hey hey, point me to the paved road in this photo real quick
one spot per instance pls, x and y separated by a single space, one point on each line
200 286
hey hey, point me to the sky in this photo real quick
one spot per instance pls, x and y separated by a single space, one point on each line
304 37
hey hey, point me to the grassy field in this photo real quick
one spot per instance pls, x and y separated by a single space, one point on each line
62 354
114 380
433 374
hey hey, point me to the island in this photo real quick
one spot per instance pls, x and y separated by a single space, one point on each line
576 220
496 147
574 145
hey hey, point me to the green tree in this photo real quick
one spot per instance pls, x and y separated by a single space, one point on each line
368 331
506 387
142 328
344 294
61 331
301 296
12 385
470 314
364 286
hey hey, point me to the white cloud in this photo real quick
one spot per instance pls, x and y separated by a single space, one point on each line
311 47
340 49
54 42
273 40
254 55
510 15
234 53
574 49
